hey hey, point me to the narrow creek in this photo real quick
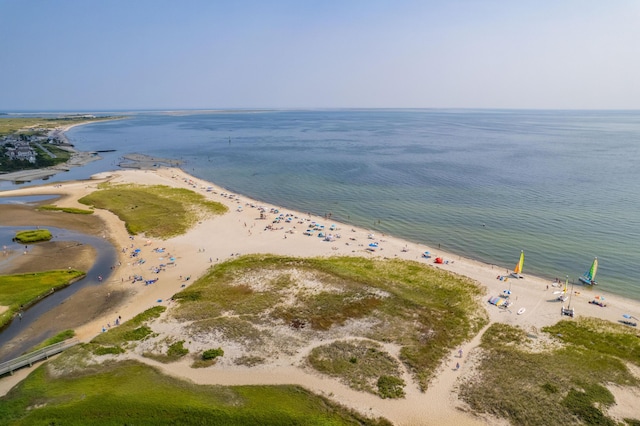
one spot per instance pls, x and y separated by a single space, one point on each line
17 337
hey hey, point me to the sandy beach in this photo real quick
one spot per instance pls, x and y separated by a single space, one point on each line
242 231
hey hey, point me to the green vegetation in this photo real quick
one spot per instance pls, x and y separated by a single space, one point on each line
212 353
71 210
33 236
601 336
132 330
208 358
157 211
554 384
175 351
362 365
108 350
42 158
425 311
390 387
140 395
23 290
60 337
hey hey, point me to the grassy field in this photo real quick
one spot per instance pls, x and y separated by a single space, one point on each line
157 211
562 383
25 289
131 393
426 312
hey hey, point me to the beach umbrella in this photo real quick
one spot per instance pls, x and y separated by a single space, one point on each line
507 292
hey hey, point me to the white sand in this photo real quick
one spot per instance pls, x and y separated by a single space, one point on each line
241 231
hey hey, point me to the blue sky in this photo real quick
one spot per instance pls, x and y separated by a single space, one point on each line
154 54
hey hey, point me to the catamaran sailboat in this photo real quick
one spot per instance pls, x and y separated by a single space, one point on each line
568 311
518 269
563 294
589 277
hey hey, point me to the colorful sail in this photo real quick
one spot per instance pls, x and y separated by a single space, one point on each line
589 277
594 269
520 264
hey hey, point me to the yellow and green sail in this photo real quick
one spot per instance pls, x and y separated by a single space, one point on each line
520 264
591 273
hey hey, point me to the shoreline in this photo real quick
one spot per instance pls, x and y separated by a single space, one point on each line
137 161
77 158
244 232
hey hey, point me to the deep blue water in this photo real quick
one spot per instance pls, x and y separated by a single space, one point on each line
564 186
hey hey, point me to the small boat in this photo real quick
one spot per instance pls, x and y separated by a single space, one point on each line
589 277
521 311
568 311
563 294
518 268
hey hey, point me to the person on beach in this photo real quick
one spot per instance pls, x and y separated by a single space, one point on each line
457 366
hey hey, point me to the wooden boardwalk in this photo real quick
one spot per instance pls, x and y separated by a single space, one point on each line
35 356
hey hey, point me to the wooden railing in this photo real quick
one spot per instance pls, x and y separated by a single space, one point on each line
35 356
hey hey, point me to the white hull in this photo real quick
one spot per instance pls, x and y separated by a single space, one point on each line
567 311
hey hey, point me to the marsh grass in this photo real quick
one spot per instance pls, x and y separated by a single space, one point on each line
23 290
140 395
33 236
548 387
71 210
157 210
360 364
426 311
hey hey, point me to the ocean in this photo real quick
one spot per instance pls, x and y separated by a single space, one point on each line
564 186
